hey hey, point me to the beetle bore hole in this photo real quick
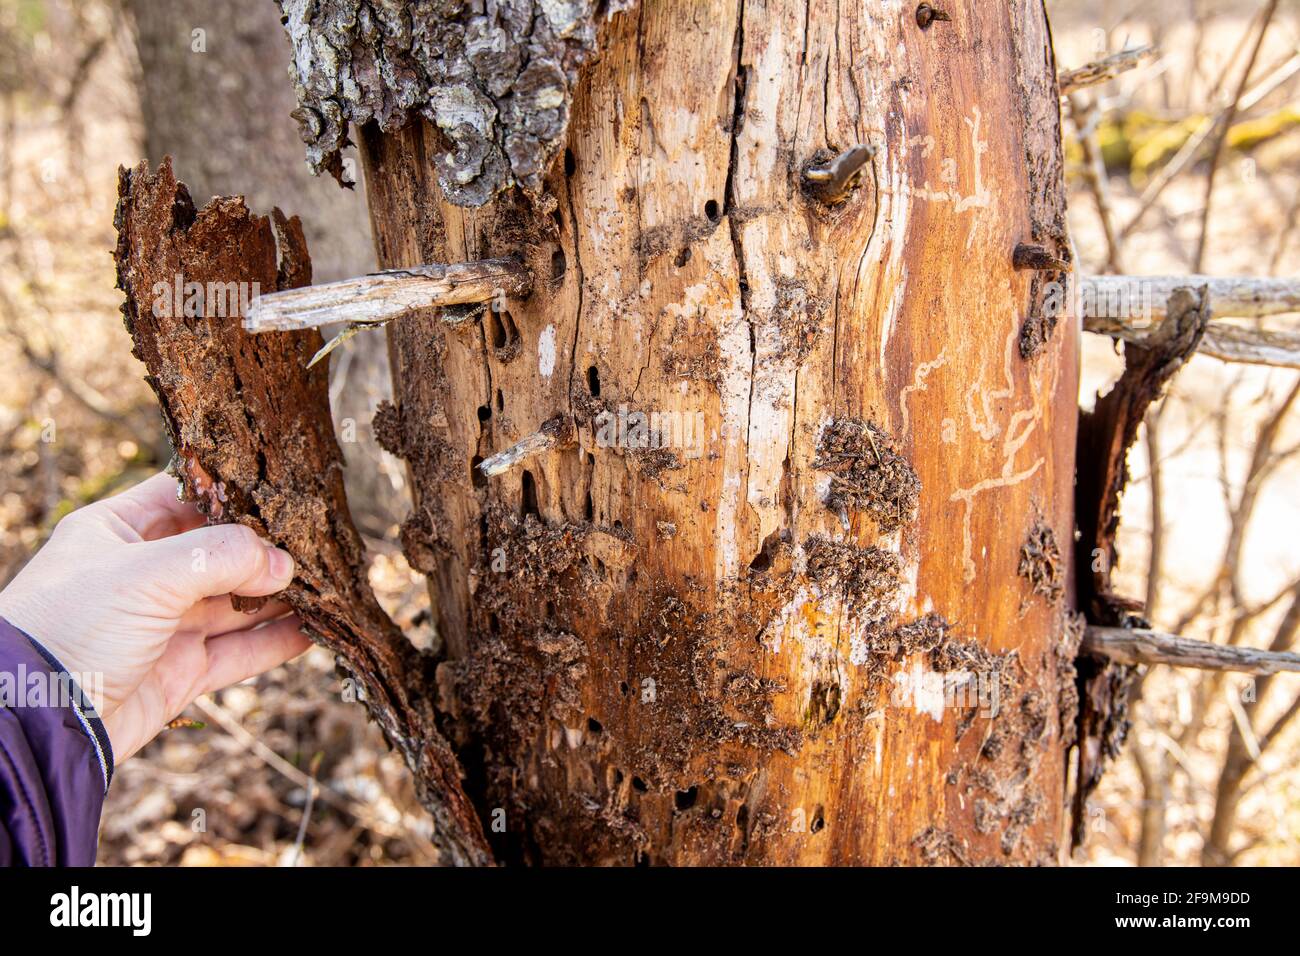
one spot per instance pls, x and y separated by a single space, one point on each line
712 211
502 329
685 799
593 381
528 493
559 264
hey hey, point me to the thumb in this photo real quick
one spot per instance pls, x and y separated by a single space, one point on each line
216 559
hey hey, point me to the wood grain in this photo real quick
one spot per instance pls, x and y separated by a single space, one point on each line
684 654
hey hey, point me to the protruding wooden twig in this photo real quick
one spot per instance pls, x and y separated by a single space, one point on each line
1028 255
1136 646
382 296
832 181
1133 308
926 15
555 433
1099 71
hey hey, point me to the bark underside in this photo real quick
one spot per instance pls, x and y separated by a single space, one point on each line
255 444
1105 436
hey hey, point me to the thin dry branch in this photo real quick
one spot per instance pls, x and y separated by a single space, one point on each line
1133 308
1137 646
1086 117
1100 71
1217 151
382 296
1191 149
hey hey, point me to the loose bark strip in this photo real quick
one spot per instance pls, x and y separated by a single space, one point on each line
383 296
1105 436
1103 70
254 442
680 654
1134 646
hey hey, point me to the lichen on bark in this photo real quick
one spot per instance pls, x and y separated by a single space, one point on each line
495 77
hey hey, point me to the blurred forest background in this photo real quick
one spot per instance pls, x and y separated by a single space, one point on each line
1189 163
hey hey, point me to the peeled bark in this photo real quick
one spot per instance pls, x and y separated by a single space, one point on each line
255 444
215 97
690 654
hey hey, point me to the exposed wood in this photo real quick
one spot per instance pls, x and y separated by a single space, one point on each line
383 296
688 653
254 442
1127 645
1103 70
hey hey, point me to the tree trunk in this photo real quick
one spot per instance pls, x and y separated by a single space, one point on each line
726 649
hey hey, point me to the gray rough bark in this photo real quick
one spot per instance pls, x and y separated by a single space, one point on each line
497 84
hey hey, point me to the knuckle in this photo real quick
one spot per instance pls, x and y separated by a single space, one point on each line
75 520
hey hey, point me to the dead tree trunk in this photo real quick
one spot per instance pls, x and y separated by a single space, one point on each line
824 619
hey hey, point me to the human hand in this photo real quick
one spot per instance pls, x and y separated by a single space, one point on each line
135 590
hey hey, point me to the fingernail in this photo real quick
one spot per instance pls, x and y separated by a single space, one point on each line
281 565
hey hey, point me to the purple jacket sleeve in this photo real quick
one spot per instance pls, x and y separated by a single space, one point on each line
55 759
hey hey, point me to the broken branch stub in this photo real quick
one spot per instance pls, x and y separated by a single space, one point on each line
556 432
379 297
1238 297
1131 645
1103 70
255 445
